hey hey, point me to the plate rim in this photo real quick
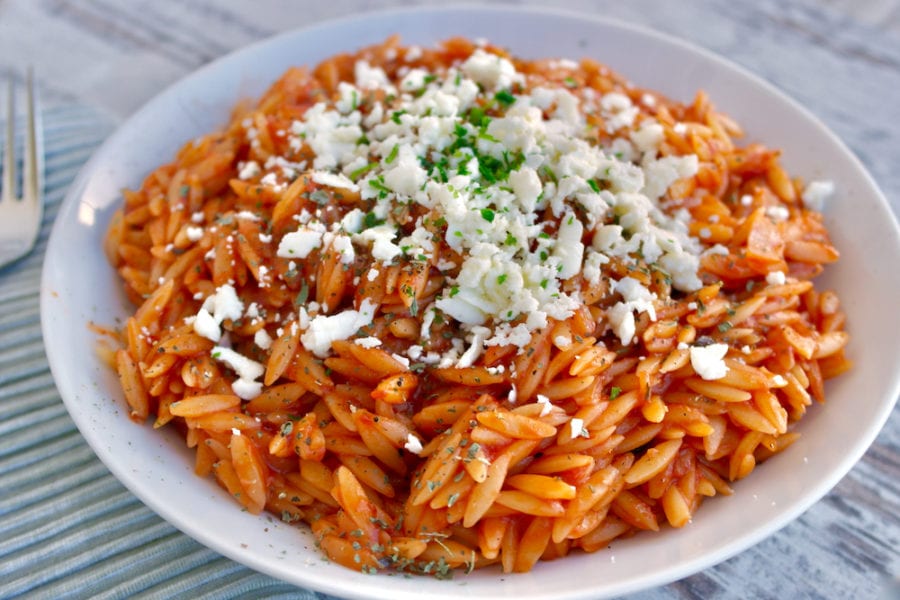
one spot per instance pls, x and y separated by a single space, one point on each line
662 577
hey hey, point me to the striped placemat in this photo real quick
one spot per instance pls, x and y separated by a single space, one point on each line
68 528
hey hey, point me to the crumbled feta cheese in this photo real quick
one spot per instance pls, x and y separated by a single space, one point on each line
490 70
778 213
661 173
206 326
333 180
263 275
648 138
708 362
271 180
569 249
194 234
513 395
779 381
476 347
262 339
775 278
716 249
576 428
369 77
249 170
343 246
816 193
323 330
414 80
562 342
546 405
413 444
636 298
367 342
298 244
413 53
246 389
382 239
246 369
352 222
224 304
618 111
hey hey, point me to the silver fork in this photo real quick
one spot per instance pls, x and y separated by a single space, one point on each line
20 218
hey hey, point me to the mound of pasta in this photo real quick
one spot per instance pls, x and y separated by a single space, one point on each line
452 309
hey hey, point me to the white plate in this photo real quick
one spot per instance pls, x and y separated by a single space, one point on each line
78 286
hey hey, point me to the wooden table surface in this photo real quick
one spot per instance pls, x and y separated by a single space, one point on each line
840 58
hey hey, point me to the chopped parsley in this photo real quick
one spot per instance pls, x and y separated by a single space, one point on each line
363 170
393 154
505 98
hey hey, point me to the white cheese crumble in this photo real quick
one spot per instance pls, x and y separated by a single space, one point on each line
413 444
576 428
775 278
323 330
367 342
334 180
382 243
246 369
298 244
708 361
816 193
636 299
249 170
513 395
194 234
546 405
206 326
490 70
262 339
223 304
778 213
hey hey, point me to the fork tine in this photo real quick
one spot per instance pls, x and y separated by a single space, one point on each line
9 161
32 180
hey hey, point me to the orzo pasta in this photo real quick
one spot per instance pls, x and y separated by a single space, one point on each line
451 308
